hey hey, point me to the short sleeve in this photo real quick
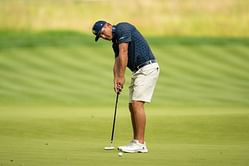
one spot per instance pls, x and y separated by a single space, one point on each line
124 36
115 49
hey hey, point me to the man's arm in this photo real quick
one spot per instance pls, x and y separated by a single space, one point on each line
119 67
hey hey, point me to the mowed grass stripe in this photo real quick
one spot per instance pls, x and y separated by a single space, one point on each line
81 74
237 76
27 94
63 66
32 89
241 50
25 79
91 76
31 85
177 94
26 66
103 56
198 65
53 65
216 74
226 60
83 71
188 55
236 65
195 81
49 77
238 59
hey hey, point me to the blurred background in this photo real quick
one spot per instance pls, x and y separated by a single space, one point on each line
153 17
48 55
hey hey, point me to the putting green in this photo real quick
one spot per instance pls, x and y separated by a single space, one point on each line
76 136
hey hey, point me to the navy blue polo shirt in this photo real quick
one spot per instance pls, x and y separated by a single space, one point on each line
138 49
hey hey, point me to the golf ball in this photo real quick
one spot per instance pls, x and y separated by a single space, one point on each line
120 154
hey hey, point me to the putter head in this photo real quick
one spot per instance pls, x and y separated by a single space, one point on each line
109 148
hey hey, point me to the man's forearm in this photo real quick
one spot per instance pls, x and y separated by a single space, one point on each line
119 67
115 72
122 63
122 60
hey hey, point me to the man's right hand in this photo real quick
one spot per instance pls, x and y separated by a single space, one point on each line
118 85
117 89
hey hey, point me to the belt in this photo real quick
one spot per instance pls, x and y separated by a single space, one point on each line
144 64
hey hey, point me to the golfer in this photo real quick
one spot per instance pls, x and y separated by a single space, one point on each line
132 51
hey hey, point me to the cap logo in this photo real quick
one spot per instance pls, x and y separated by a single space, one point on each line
121 38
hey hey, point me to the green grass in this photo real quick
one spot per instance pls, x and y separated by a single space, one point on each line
56 102
76 136
69 68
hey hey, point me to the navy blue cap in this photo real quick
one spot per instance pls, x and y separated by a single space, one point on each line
97 29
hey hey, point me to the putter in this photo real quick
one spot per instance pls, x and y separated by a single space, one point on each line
111 147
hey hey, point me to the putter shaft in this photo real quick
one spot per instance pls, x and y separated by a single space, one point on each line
114 117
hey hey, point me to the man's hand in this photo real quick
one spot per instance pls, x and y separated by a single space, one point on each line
119 84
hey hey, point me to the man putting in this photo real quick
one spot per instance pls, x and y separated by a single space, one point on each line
132 51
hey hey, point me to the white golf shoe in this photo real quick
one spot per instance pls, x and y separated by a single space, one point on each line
134 147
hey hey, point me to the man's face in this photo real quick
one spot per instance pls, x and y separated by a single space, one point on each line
106 32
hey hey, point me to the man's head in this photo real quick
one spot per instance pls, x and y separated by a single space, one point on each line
102 29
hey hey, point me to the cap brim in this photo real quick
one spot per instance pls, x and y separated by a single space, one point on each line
97 38
98 35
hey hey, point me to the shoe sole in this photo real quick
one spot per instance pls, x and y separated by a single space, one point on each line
137 151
